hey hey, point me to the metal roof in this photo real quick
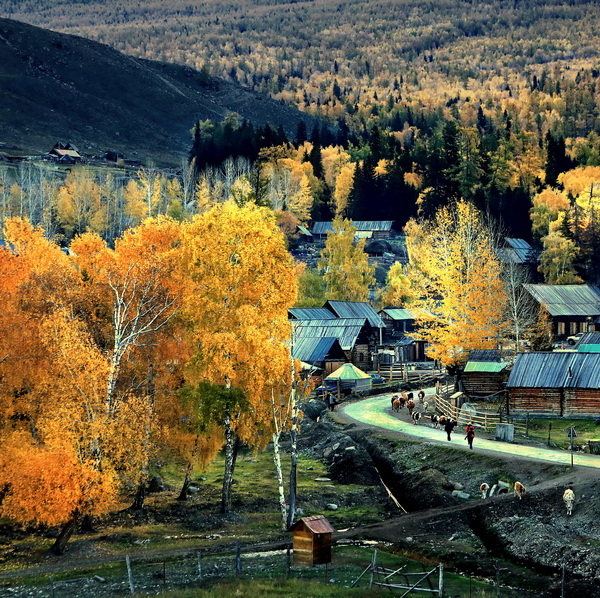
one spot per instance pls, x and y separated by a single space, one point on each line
589 338
355 309
346 330
489 355
311 313
555 370
317 524
521 250
484 366
322 228
397 313
567 299
314 349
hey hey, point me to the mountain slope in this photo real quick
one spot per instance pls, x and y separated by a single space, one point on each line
55 86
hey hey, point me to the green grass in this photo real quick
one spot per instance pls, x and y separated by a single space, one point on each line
555 431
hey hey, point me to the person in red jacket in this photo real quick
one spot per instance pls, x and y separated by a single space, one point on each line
470 430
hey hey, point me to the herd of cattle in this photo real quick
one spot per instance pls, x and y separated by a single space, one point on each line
418 409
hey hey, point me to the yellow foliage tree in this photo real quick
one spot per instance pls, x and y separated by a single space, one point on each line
461 301
240 283
347 273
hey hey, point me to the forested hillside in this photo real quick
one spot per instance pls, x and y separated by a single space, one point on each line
60 87
364 58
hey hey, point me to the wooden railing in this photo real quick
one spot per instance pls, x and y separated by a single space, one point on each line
484 420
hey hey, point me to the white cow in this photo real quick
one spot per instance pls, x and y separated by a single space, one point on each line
569 499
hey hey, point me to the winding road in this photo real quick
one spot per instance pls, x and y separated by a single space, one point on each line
377 412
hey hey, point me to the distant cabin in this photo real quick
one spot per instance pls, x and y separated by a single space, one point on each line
313 537
365 229
65 153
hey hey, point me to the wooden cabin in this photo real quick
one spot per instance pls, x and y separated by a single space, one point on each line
559 384
485 374
313 538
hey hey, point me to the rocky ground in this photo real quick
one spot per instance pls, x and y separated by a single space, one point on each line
439 516
446 517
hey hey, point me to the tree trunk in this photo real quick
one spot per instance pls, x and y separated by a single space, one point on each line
58 548
294 455
87 524
232 443
186 484
140 497
280 486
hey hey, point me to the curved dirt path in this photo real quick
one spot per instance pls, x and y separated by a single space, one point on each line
377 412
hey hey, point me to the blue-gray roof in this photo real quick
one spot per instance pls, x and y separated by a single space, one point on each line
355 309
518 251
487 355
315 349
567 299
555 370
396 313
322 228
310 313
346 330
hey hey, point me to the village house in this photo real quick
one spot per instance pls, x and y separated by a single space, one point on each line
572 308
65 153
555 384
484 375
365 229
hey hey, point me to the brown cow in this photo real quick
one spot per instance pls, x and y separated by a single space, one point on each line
410 405
484 489
396 404
519 490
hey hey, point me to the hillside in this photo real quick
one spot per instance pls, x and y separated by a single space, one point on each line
358 59
55 86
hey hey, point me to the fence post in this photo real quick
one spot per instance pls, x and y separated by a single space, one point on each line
288 561
52 587
549 432
373 567
238 558
129 574
485 423
527 424
441 581
199 565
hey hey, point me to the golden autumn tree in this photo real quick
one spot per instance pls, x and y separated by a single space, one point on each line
398 291
461 302
240 283
347 273
87 401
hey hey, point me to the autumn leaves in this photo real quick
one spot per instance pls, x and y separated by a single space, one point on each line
96 345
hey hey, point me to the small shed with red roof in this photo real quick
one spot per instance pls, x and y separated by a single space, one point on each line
313 537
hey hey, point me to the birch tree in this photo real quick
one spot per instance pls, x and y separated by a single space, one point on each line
453 262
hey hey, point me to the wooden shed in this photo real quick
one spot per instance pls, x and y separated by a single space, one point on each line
312 541
485 374
556 384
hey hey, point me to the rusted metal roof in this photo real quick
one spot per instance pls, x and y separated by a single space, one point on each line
555 370
317 524
567 299
355 309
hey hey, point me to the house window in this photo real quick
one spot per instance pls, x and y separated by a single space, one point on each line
361 357
561 328
573 327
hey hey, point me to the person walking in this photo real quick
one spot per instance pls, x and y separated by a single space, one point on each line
470 430
449 427
331 401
